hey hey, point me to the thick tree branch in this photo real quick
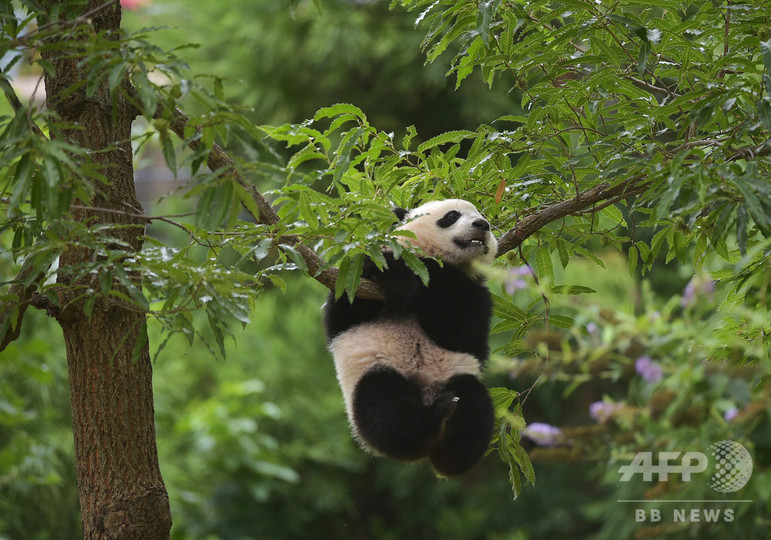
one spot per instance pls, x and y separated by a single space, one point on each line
601 195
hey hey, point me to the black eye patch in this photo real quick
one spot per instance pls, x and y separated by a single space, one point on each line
448 219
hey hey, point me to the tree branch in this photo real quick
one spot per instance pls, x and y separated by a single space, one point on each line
20 298
583 201
219 160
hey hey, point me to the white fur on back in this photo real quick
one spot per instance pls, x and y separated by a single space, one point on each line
399 344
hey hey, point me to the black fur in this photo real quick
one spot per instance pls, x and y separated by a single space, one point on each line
448 219
383 400
400 212
467 433
454 310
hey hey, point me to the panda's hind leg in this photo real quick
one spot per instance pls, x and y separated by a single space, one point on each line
468 431
390 416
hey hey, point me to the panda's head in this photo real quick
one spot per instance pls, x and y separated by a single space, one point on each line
452 230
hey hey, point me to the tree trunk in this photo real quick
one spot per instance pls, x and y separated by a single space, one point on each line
122 494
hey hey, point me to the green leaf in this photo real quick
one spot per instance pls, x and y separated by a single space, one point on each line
485 14
278 282
642 57
741 229
141 342
765 51
589 255
544 264
116 76
502 397
763 107
339 109
668 197
572 289
698 252
22 175
416 265
657 241
146 92
294 256
753 203
561 321
506 309
514 478
467 63
408 136
525 465
169 154
614 215
632 260
88 305
343 160
354 275
562 250
444 138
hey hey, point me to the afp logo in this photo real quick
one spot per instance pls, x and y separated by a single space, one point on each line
731 461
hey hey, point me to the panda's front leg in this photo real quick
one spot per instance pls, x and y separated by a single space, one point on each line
467 433
391 418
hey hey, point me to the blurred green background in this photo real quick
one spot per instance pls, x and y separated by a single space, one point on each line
258 446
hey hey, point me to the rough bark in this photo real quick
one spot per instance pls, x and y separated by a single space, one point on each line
122 494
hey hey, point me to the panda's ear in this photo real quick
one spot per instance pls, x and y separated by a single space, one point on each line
400 212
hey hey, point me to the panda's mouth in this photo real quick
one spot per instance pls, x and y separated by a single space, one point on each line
474 241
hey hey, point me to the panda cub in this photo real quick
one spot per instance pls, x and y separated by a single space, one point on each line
409 366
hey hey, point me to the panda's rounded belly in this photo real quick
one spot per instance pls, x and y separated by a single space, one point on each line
400 344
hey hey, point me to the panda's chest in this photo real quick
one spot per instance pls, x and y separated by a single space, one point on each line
399 344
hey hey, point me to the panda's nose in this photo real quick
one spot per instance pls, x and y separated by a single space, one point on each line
481 224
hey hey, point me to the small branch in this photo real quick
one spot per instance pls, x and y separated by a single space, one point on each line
652 87
752 153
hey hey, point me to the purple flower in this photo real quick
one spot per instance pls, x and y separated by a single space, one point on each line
730 414
648 369
514 281
695 288
514 285
542 434
601 411
591 328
